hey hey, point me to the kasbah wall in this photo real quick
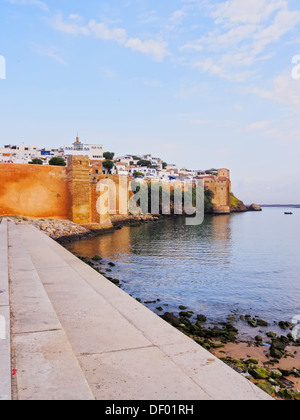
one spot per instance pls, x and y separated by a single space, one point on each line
221 187
71 192
34 191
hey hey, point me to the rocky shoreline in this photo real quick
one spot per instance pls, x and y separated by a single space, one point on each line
54 228
65 231
242 208
270 359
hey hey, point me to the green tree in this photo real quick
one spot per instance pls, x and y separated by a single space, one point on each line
108 165
208 193
57 161
138 174
108 156
144 162
36 161
208 197
139 205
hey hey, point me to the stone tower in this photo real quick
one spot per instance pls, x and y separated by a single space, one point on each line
79 189
83 193
222 192
224 172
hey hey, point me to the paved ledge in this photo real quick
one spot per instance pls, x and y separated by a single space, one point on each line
46 367
64 310
5 356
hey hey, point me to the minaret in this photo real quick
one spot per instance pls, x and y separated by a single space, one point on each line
78 145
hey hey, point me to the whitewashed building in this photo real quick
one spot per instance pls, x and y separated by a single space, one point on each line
23 154
92 151
18 154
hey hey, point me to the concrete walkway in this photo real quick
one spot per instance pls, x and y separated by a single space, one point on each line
77 336
5 361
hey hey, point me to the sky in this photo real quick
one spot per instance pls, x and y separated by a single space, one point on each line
203 84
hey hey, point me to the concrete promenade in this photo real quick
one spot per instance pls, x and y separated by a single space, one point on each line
76 336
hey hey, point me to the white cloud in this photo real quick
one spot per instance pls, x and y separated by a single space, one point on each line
227 67
149 17
187 91
149 82
40 4
69 27
284 22
108 72
177 17
51 52
284 90
154 48
236 12
242 31
202 122
101 31
259 125
75 16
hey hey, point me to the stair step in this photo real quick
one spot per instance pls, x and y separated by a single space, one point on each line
44 362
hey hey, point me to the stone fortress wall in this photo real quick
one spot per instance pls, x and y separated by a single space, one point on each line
72 192
34 191
220 185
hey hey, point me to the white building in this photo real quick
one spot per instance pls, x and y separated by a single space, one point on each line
18 154
92 151
134 159
121 168
129 159
23 154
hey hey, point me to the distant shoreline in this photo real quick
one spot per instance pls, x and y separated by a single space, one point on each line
280 205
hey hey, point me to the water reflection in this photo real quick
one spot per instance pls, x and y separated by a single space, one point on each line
248 262
108 246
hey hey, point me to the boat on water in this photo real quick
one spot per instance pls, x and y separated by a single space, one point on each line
288 212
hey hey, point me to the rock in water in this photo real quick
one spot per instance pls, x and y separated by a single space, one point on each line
171 318
255 207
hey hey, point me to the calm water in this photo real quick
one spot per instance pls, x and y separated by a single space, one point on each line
242 263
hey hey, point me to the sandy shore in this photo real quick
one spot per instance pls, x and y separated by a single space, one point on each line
242 351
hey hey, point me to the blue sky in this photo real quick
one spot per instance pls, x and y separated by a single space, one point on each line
199 83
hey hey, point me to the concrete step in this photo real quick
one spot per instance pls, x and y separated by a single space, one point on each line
5 354
44 363
125 351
